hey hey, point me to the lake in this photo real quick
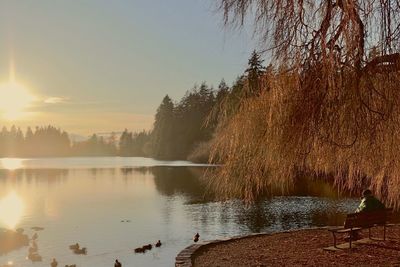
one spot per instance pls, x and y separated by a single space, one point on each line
85 200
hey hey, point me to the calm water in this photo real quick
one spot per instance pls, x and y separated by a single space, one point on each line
84 200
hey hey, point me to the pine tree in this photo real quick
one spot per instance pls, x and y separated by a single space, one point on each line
162 137
254 73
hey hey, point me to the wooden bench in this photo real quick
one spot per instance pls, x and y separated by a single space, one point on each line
356 221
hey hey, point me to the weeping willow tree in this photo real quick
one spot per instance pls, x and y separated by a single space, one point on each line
332 108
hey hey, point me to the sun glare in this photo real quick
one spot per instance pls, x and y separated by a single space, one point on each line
11 210
15 98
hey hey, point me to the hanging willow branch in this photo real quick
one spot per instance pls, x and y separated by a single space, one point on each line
333 107
320 30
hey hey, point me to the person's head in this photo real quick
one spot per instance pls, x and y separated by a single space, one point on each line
367 193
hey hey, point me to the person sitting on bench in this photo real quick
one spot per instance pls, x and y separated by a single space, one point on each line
369 203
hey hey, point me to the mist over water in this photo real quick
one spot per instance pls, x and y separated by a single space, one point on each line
85 199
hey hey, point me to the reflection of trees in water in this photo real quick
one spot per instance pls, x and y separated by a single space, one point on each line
49 176
96 173
129 174
130 171
278 213
309 203
308 186
185 181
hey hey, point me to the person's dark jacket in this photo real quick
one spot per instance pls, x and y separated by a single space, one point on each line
370 203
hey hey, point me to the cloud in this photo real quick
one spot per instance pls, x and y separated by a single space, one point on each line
55 100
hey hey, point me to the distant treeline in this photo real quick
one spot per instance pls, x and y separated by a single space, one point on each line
178 129
181 130
50 141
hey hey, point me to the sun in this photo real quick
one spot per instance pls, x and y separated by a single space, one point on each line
15 98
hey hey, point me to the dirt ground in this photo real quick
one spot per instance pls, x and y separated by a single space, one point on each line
302 248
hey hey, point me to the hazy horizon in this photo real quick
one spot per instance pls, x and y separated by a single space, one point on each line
100 66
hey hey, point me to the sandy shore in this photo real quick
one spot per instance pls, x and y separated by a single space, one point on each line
301 248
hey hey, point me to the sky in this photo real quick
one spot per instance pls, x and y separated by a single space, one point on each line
90 66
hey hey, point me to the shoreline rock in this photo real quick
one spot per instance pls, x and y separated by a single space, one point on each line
11 240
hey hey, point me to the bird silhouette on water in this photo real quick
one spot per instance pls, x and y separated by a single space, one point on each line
117 264
74 246
148 247
196 237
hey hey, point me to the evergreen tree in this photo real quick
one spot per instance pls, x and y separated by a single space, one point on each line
162 135
254 73
223 90
125 144
221 98
139 142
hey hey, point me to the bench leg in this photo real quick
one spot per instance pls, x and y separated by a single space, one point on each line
334 239
384 232
351 235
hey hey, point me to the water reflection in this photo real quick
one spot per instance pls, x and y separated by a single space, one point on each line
11 210
11 163
167 203
288 212
309 203
180 181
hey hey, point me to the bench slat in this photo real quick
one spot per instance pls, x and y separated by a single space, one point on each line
367 219
344 230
